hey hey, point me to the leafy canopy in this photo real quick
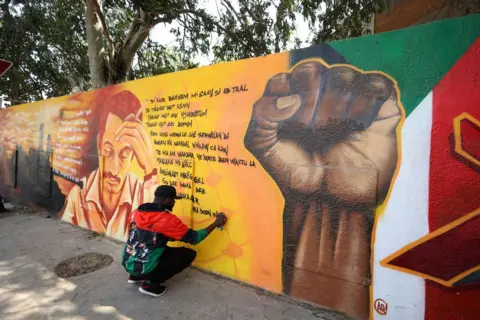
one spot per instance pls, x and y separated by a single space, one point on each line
47 39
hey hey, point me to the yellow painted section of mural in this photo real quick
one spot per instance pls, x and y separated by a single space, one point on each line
297 157
187 115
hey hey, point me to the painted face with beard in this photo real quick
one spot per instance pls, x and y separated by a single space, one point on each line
116 157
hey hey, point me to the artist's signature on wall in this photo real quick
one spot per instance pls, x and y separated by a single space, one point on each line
380 306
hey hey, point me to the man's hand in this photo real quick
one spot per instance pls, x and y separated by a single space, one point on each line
133 132
220 220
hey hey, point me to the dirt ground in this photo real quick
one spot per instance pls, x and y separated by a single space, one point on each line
32 247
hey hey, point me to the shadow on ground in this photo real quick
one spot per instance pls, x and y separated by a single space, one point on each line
31 247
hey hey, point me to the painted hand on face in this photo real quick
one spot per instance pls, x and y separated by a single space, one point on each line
134 133
328 129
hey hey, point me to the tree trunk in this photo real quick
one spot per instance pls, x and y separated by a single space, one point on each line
124 53
15 98
108 67
97 56
14 94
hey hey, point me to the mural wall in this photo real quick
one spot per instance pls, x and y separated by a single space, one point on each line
349 171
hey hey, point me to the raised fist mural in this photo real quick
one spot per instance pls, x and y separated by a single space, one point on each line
327 136
302 151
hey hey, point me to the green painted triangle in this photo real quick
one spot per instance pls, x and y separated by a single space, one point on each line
417 57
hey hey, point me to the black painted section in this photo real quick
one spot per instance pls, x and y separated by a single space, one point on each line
323 51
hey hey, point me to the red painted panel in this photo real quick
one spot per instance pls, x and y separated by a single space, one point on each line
447 255
454 180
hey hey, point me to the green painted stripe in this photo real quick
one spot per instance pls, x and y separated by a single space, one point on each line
417 57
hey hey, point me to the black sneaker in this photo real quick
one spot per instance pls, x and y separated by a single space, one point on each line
152 289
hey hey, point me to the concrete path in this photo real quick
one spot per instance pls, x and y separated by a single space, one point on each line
31 246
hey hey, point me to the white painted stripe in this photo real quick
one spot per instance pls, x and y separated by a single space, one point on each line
405 220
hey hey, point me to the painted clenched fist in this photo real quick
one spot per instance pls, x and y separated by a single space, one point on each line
316 118
327 136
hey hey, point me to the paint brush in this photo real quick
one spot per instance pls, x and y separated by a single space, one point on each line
139 112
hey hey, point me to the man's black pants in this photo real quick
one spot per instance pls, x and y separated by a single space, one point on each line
172 262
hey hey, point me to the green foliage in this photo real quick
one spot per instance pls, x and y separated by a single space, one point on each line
154 59
46 44
340 19
46 39
252 32
249 31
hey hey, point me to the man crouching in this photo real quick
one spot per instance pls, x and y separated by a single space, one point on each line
146 257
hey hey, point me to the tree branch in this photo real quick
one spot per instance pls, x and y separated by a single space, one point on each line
274 4
97 57
230 8
161 20
252 15
174 14
139 31
39 86
218 9
76 87
106 33
5 5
